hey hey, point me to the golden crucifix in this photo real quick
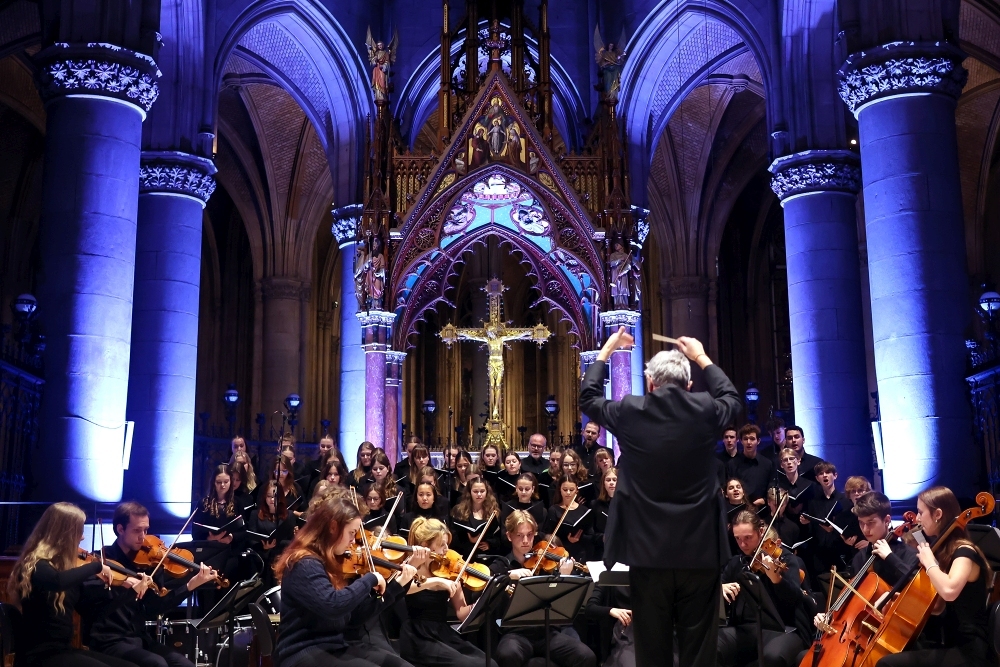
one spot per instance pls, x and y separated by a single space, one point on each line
495 335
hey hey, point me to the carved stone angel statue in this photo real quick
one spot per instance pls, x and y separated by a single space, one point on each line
625 278
610 60
381 57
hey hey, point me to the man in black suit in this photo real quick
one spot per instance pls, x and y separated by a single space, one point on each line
666 522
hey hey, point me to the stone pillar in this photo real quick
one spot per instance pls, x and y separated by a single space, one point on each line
903 95
641 217
376 336
587 360
621 359
688 303
173 190
393 402
282 299
96 98
818 190
352 357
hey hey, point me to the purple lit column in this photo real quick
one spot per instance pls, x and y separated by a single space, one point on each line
174 188
376 334
903 95
586 361
393 390
96 97
621 359
352 357
818 190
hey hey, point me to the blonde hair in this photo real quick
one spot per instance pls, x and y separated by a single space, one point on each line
518 517
423 531
857 483
249 476
55 538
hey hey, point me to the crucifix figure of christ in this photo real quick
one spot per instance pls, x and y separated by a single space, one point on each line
495 335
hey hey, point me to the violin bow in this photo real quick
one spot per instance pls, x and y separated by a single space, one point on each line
774 518
365 548
475 546
385 524
173 543
541 556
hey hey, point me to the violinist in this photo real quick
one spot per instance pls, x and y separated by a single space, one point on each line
318 605
362 475
577 529
738 642
960 575
601 507
469 516
426 639
115 619
520 645
46 584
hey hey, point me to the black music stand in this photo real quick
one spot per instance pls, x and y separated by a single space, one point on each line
987 538
226 609
549 599
751 584
482 613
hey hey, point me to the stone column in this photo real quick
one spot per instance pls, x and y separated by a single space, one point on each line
96 98
587 360
282 299
352 357
641 217
393 402
903 95
621 359
818 190
173 190
376 336
688 299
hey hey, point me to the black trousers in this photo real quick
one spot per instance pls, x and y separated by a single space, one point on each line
738 646
153 655
668 601
966 656
355 655
516 650
69 657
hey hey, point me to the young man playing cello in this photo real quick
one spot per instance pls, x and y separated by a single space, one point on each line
115 619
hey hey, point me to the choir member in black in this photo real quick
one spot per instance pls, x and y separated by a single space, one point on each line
517 647
300 467
426 639
243 499
382 474
573 468
419 459
535 462
114 620
402 468
526 498
46 584
327 448
776 429
730 445
784 526
826 548
442 506
755 471
603 459
738 641
250 480
218 510
506 479
293 491
491 464
847 519
961 576
425 505
239 445
600 508
800 490
362 474
795 439
469 516
317 604
270 528
577 530
334 473
590 445
446 474
378 510
736 502
460 478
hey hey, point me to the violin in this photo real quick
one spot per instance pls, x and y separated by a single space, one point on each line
119 573
355 564
176 562
550 555
773 549
450 564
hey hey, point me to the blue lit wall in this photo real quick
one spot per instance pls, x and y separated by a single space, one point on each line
352 364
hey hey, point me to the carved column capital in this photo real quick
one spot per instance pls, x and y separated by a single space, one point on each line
97 69
177 173
345 223
815 171
900 68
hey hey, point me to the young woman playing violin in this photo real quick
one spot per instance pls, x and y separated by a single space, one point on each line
46 584
518 646
115 619
426 638
960 573
317 603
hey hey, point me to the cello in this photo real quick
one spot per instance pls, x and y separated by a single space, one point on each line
904 616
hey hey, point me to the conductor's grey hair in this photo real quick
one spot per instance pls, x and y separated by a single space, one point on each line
669 367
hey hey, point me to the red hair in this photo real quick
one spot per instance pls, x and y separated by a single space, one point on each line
319 537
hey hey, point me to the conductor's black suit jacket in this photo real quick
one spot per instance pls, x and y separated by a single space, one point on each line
667 510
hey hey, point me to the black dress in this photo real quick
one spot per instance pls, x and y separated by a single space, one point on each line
576 520
427 640
600 509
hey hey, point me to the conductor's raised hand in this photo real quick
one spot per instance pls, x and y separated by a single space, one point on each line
619 339
690 347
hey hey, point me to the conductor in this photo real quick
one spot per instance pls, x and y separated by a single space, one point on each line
666 519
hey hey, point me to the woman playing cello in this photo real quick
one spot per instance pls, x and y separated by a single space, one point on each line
959 573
